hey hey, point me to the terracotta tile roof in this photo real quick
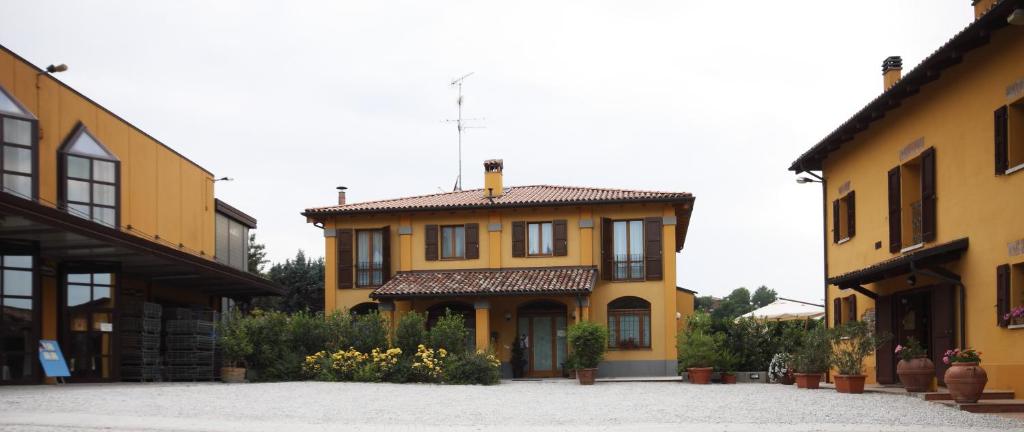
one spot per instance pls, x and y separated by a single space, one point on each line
486 282
517 196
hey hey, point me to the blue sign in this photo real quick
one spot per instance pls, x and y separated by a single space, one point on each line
52 359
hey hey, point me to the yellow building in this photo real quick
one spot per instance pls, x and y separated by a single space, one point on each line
923 234
96 213
520 264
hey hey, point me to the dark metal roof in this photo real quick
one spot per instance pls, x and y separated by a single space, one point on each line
578 280
236 214
973 36
903 264
679 288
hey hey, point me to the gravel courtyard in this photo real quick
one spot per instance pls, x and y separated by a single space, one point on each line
547 405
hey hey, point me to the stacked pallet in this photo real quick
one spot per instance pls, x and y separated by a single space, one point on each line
190 342
140 340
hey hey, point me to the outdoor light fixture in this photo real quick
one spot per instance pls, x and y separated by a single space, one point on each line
803 180
911 280
508 316
1016 17
223 179
56 68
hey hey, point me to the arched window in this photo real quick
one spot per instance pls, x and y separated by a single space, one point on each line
19 138
90 178
364 308
629 323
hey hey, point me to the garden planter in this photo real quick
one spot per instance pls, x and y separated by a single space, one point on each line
916 374
787 379
572 373
807 380
586 376
850 383
966 381
699 375
232 375
728 378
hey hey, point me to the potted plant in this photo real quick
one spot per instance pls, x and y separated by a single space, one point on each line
588 342
779 370
964 378
915 369
236 346
518 360
726 364
813 358
852 343
569 366
1015 317
698 352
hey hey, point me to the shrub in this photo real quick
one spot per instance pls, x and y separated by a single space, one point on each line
273 357
696 349
780 367
588 341
815 354
750 343
233 336
338 328
428 364
449 333
367 332
473 368
726 361
852 343
411 332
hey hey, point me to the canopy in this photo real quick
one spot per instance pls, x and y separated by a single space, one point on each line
786 310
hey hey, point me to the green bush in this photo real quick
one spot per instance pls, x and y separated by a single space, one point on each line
726 361
473 368
411 332
449 332
234 340
588 342
697 349
852 343
815 354
367 332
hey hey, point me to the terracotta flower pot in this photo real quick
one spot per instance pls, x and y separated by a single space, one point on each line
916 374
728 378
700 375
586 375
572 373
850 383
232 375
786 379
807 380
966 381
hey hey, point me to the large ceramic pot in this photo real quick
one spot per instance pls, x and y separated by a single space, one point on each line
232 375
586 375
850 383
699 375
916 374
807 380
728 378
966 381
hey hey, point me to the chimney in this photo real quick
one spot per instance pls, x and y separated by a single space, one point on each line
341 195
492 178
982 6
892 69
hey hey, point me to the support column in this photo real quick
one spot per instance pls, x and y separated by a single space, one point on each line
330 268
586 236
402 307
387 309
405 243
494 240
668 271
582 311
483 324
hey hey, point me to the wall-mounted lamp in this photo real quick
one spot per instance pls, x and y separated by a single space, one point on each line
679 315
223 179
508 316
912 280
56 68
1016 17
803 180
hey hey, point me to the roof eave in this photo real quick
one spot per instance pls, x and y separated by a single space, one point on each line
312 213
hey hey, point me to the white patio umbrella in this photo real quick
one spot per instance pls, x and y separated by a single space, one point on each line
786 310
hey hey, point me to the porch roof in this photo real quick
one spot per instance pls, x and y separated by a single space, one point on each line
577 280
903 264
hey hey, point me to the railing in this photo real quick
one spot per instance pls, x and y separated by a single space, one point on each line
628 267
369 273
916 223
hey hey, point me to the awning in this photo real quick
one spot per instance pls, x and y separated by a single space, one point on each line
67 238
578 280
920 259
786 310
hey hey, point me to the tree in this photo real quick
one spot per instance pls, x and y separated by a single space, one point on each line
304 279
705 303
763 296
257 255
733 305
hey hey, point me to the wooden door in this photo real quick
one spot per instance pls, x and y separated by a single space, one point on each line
943 326
885 359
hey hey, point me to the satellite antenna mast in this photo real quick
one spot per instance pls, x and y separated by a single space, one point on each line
461 126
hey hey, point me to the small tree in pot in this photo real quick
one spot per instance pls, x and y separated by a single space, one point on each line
726 364
698 353
588 342
518 360
852 343
813 358
236 346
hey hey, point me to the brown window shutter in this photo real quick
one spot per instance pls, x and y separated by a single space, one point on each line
518 239
430 232
385 250
472 241
560 237
885 359
653 249
837 312
928 210
1002 294
835 221
607 250
851 213
895 235
1002 127
345 267
852 312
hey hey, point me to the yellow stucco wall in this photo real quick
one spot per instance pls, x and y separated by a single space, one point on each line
955 116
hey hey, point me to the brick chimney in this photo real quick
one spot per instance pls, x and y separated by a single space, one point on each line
341 195
982 6
492 178
892 69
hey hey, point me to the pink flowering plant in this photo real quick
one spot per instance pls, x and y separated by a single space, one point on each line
969 355
1015 316
911 350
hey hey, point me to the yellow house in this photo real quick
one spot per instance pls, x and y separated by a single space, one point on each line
520 264
96 214
923 233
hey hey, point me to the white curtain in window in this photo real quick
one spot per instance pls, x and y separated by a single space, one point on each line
546 243
460 241
534 240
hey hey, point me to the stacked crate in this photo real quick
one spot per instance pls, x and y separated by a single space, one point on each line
190 342
140 340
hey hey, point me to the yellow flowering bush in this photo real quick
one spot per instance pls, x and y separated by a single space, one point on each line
317 366
428 365
344 364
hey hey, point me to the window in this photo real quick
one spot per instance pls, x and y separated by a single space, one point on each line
17 318
912 203
1009 294
90 178
843 223
453 242
369 258
629 323
1009 136
18 138
539 239
628 246
232 242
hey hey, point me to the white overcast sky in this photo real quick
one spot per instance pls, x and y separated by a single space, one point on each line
292 98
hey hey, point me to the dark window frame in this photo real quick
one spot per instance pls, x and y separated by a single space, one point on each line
26 249
33 146
64 154
373 267
630 259
615 340
540 239
440 242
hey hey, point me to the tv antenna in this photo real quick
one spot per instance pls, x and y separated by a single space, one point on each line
460 124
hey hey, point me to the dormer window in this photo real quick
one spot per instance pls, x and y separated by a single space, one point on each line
19 139
90 178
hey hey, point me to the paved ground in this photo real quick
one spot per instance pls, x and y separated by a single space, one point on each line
548 405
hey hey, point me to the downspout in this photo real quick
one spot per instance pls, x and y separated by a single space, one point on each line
824 243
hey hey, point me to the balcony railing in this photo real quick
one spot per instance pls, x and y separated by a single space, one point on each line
916 223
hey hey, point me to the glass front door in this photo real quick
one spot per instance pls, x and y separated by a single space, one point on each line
89 325
17 320
545 343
